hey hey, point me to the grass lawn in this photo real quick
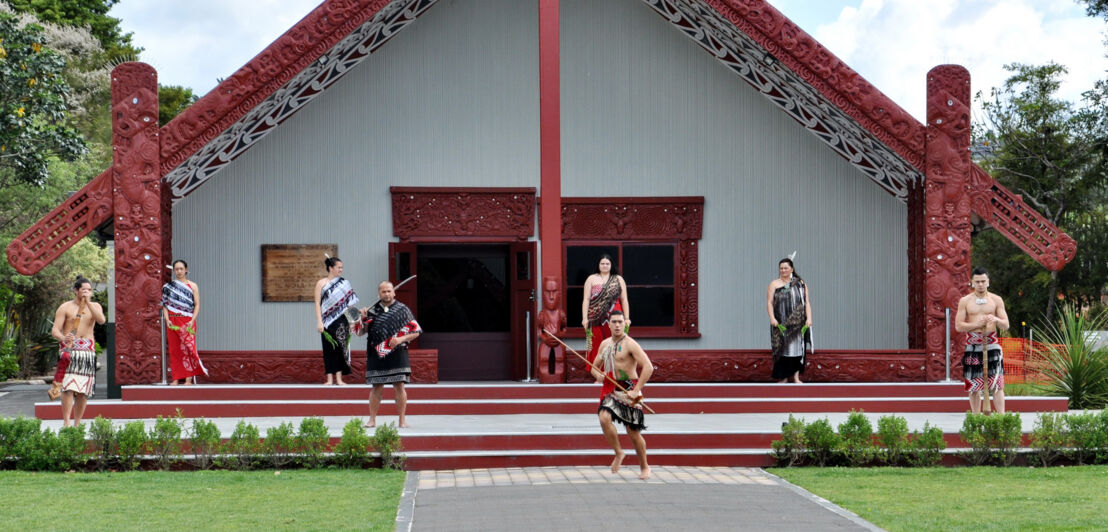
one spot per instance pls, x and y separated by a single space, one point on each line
965 498
204 500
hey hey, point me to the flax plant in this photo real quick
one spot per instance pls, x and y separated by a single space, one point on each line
1073 366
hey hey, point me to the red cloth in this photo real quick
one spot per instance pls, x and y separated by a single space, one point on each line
63 364
184 361
599 334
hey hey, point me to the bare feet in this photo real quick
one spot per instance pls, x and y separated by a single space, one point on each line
340 383
403 424
645 473
370 424
328 383
618 461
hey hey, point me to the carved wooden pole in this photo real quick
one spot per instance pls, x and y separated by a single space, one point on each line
946 209
138 218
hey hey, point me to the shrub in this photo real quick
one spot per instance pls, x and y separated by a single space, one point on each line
857 439
312 441
1073 366
386 440
9 363
280 444
892 432
243 447
974 434
353 450
1102 437
789 450
1084 435
165 439
132 442
13 433
821 441
204 442
69 449
1005 433
927 446
1049 438
103 437
26 443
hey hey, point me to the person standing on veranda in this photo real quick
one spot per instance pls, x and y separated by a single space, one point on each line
605 291
180 310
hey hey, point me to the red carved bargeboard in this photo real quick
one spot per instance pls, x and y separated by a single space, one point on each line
647 218
137 206
301 367
756 365
420 213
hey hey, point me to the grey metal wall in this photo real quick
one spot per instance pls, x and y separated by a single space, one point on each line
647 112
452 100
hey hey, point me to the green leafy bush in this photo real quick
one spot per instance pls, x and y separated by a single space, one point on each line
165 439
974 434
821 442
927 446
353 450
103 436
243 447
312 442
131 442
789 450
9 362
48 451
1005 433
386 441
892 433
1102 437
204 442
1074 367
1049 438
280 444
1085 435
857 439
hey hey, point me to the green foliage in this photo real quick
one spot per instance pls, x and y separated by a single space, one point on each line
1086 436
353 450
992 438
204 441
33 107
927 446
131 441
243 447
386 441
821 442
857 439
165 439
1074 367
892 433
172 101
280 443
104 444
312 442
789 450
48 451
974 434
1049 438
92 14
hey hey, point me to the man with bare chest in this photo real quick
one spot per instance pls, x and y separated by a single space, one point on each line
621 358
73 326
981 315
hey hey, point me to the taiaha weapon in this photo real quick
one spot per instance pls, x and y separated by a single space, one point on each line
985 368
593 367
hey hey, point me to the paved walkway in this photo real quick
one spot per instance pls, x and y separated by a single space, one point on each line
591 498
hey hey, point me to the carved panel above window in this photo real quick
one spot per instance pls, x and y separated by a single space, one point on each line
473 213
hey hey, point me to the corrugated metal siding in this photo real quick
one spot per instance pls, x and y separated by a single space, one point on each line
647 112
452 100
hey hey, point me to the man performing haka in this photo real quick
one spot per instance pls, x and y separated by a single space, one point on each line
980 314
620 358
391 326
79 377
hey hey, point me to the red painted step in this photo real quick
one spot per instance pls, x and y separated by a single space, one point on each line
715 405
304 392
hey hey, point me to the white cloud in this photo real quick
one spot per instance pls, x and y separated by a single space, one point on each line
893 43
194 43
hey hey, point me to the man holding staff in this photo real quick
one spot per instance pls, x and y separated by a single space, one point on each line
73 326
619 360
980 315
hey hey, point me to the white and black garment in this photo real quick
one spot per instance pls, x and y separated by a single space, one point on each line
337 296
177 298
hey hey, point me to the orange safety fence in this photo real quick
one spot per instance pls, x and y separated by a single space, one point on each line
1024 360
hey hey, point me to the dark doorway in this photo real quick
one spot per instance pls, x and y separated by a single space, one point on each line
464 301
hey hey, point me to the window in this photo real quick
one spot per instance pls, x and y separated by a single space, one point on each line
653 243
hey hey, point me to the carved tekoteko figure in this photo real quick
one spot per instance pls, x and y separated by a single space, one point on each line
552 319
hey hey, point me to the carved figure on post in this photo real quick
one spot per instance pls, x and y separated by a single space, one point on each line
552 319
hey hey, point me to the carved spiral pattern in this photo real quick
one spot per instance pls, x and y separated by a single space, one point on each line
438 212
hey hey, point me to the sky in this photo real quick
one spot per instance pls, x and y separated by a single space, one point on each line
891 43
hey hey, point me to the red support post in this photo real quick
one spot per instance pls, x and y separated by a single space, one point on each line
946 210
138 220
550 142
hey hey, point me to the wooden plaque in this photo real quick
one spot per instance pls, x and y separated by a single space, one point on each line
290 271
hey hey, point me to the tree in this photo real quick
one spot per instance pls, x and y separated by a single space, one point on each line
92 14
172 100
33 105
1049 151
